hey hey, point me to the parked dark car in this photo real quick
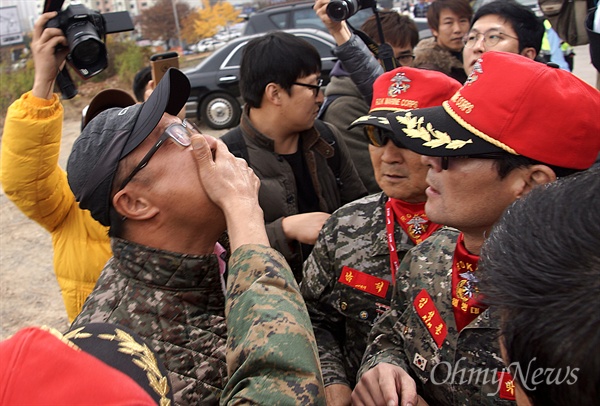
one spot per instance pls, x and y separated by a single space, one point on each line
302 15
215 94
293 15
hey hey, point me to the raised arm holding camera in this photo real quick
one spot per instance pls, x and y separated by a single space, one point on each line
37 185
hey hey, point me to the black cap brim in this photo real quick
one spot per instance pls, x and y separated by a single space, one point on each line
432 131
377 118
169 96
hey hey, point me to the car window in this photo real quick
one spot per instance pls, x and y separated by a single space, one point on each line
280 20
307 18
235 57
323 48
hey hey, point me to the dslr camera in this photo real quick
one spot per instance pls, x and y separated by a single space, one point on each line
85 30
339 10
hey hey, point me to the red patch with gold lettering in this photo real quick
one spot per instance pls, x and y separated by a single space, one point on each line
363 281
507 386
431 317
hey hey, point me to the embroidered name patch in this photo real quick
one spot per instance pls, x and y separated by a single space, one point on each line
365 282
431 317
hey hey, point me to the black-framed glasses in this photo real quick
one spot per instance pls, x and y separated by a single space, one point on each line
378 136
405 59
316 88
490 38
181 133
490 155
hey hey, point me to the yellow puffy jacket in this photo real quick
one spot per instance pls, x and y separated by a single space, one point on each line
33 180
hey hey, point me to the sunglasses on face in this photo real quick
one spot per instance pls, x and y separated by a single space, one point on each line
378 136
181 133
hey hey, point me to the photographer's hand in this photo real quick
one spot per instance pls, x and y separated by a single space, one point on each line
47 60
338 29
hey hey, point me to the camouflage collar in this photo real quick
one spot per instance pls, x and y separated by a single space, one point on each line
166 268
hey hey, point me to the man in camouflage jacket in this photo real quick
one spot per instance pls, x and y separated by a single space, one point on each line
439 340
348 276
165 192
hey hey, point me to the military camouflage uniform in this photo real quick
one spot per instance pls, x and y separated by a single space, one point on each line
342 316
176 303
272 356
400 336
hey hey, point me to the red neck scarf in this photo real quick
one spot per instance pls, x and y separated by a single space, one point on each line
466 299
413 220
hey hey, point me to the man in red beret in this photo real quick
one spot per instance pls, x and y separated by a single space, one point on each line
515 125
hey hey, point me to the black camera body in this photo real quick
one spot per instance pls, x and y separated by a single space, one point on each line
85 30
339 10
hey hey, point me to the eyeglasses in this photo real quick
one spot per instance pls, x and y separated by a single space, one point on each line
181 133
316 88
491 155
490 38
379 136
405 59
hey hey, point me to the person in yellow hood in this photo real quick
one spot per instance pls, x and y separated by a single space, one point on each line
37 185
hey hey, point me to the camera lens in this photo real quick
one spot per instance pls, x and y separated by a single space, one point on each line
339 10
87 52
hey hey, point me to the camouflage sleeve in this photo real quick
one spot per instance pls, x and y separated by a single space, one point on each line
385 343
271 352
318 279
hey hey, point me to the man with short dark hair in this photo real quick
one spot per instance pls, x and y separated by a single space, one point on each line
547 289
305 169
448 21
482 155
140 83
503 25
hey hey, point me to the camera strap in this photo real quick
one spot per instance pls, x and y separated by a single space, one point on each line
383 52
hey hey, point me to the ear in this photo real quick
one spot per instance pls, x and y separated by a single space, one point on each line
434 32
529 52
534 176
273 93
133 206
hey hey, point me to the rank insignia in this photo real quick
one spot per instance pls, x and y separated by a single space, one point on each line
400 84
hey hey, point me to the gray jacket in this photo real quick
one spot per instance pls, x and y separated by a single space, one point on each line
361 64
347 106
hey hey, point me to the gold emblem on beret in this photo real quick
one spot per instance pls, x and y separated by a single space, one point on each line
432 137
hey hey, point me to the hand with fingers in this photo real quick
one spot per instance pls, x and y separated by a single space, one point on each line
47 59
233 186
304 227
338 29
382 385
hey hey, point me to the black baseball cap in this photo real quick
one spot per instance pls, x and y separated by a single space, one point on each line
111 136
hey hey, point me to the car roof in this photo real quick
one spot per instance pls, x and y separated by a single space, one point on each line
240 41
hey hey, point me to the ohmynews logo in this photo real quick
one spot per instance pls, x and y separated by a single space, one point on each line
528 379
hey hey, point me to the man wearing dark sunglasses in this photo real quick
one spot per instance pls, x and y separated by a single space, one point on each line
439 339
167 194
348 277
